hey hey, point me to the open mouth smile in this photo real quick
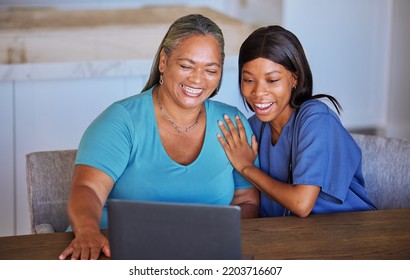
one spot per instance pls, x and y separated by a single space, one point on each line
263 106
192 91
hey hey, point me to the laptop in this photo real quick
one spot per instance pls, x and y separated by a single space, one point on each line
140 230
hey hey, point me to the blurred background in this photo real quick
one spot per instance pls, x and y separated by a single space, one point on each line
64 61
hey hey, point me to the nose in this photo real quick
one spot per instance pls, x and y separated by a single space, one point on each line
259 89
196 76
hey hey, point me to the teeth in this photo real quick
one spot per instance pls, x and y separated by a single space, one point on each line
263 105
191 90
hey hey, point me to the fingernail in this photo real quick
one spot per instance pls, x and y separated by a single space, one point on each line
226 117
220 123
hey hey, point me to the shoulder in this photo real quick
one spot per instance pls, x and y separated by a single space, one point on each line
315 106
123 114
319 121
220 106
133 108
140 99
218 109
316 109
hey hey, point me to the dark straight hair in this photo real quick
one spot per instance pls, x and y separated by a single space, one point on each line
282 47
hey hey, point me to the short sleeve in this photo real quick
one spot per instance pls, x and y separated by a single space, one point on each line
107 142
326 156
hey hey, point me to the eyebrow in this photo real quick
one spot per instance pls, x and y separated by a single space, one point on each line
193 62
272 72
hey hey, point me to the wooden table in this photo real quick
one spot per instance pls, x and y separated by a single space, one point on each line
383 234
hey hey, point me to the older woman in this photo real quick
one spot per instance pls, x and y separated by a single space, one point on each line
159 145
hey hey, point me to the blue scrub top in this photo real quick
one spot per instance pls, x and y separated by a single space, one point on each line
324 154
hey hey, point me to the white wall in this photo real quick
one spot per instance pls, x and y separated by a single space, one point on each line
53 115
347 44
358 50
398 121
7 176
255 12
104 4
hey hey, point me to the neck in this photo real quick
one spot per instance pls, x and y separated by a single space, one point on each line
276 125
188 125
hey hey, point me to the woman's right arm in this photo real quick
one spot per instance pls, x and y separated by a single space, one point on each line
89 191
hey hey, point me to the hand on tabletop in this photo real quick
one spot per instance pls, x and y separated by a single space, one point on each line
87 246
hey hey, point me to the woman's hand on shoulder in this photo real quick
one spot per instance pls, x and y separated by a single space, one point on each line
236 146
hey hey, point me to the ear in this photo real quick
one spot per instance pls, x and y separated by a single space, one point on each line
295 80
162 61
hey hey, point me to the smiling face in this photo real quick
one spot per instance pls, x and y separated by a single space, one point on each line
267 88
192 71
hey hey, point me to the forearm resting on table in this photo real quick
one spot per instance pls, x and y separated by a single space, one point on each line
299 199
84 209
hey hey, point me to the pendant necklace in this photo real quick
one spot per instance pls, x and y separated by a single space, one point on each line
168 118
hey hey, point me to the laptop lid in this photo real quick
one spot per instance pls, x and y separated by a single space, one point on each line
164 231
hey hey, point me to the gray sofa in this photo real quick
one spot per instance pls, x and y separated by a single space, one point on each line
386 169
386 165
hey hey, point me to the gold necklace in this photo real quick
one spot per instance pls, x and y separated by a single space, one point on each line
168 118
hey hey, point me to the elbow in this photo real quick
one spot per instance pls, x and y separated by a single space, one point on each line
302 210
304 214
305 200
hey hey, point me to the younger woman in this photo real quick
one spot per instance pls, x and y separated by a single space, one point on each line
309 163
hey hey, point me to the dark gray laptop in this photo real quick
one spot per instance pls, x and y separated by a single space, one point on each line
164 231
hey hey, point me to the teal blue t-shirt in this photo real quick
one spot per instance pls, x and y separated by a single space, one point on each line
124 143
